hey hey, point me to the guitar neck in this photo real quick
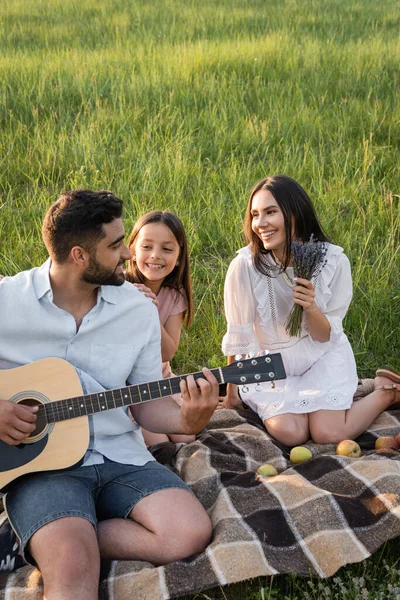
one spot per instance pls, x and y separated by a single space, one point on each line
90 404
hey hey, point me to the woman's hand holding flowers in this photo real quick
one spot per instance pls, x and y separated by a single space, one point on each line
317 323
308 260
304 294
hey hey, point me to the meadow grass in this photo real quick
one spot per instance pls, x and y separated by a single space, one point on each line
183 105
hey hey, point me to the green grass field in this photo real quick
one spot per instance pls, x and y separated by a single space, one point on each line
184 105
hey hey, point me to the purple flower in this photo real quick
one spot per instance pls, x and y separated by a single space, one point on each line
308 259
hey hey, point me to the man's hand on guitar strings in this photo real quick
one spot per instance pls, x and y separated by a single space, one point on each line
17 421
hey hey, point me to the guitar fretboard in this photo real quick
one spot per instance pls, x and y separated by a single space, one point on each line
90 404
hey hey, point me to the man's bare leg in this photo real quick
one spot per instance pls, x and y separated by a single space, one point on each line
163 527
67 554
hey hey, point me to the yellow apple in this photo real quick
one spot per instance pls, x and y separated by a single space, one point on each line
348 448
386 442
267 470
300 454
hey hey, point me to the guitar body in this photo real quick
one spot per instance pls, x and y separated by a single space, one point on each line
51 446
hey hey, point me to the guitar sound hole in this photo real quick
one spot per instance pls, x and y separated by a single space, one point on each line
41 422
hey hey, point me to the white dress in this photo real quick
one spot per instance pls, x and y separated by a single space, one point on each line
319 375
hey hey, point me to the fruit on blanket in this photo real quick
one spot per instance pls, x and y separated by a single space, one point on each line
348 448
387 451
386 441
267 470
299 454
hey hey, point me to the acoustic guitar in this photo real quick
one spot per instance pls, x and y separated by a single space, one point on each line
61 437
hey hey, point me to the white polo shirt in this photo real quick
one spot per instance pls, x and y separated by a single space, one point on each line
118 342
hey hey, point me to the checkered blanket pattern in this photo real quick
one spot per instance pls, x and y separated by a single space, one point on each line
310 519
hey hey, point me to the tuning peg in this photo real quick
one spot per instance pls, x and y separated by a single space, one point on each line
238 357
251 355
259 387
244 389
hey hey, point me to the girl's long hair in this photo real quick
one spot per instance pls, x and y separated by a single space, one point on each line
299 216
180 276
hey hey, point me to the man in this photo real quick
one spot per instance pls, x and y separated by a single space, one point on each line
119 503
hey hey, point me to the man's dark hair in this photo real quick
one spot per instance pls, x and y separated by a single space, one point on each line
77 219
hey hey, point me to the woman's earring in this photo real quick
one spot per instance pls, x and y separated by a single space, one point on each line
177 263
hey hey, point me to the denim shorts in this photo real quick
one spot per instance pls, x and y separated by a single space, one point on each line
97 492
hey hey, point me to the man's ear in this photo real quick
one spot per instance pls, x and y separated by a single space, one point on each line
79 256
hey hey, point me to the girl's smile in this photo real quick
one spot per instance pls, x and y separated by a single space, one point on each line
268 222
156 253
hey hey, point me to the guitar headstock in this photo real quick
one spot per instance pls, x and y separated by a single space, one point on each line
255 370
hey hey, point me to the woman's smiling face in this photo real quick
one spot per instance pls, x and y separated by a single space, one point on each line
268 223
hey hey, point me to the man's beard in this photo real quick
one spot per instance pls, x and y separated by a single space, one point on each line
99 275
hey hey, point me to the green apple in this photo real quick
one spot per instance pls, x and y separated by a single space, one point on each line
267 470
300 454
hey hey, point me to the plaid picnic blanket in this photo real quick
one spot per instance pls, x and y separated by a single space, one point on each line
310 519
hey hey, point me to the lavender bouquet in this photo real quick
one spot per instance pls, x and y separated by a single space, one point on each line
308 259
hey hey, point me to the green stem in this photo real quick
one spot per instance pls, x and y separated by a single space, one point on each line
293 322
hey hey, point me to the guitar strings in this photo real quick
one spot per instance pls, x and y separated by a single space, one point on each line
66 408
92 404
61 408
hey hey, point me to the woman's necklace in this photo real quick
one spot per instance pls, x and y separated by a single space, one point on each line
288 280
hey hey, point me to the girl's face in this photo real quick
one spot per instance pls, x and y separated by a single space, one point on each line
268 223
156 252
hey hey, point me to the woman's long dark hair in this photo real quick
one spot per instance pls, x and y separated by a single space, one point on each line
299 216
180 276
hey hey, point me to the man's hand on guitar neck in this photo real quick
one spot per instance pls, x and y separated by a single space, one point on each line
17 421
199 401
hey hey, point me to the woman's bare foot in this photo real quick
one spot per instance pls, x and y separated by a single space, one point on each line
232 398
230 401
387 385
365 387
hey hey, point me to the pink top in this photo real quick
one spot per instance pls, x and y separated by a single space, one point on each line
170 302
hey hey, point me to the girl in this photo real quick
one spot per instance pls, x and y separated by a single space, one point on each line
160 261
316 398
